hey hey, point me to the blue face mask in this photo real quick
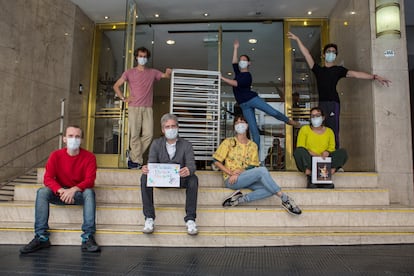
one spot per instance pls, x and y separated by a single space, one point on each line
330 57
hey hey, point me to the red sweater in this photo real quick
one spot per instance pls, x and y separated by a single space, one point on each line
65 171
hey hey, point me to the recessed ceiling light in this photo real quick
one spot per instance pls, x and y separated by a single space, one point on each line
309 12
206 14
345 23
353 12
156 15
106 17
229 73
170 42
252 41
253 49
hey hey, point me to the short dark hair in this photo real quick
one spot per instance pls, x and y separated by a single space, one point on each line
329 46
317 108
74 126
246 56
142 49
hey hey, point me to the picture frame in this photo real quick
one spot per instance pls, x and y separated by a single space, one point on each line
321 170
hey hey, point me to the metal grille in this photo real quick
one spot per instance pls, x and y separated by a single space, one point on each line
195 99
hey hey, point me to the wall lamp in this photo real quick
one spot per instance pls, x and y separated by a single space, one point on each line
387 17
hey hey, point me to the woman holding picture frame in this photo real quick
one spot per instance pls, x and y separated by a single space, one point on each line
317 140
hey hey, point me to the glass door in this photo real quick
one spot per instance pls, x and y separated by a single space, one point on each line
107 115
301 91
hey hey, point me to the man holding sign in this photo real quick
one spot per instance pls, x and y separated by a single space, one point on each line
165 154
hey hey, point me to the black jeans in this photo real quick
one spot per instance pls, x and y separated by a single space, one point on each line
190 183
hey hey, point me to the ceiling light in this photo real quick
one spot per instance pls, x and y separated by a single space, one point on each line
156 15
252 41
229 73
106 17
170 42
345 23
206 14
253 49
353 12
309 12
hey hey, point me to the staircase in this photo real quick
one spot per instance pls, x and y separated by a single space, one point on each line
7 188
357 211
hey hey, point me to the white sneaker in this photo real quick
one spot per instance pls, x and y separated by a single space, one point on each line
148 226
191 227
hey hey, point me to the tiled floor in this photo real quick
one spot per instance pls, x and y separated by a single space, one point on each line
297 260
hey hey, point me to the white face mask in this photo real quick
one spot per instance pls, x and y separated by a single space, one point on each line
73 143
330 57
240 128
243 64
142 60
317 121
171 133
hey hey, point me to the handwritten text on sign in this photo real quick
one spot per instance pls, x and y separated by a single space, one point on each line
163 175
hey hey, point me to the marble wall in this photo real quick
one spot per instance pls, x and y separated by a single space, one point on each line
45 54
375 121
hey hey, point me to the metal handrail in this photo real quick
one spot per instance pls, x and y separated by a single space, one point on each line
30 132
59 134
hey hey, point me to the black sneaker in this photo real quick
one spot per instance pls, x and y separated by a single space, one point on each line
90 245
232 200
310 185
133 165
34 245
291 207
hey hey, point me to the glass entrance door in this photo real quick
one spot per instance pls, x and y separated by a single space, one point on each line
107 115
300 89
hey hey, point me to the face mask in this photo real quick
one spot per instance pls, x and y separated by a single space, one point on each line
240 128
330 57
317 121
142 60
73 143
243 64
171 133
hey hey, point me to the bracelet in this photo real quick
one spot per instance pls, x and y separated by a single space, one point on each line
374 77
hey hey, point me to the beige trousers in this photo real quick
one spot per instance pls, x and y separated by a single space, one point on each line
140 130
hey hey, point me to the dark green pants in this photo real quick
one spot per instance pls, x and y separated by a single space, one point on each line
304 160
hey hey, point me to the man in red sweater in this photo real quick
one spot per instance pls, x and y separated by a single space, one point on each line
69 179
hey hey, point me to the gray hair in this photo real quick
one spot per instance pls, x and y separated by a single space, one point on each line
166 117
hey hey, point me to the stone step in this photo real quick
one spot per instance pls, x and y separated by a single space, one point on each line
215 196
126 177
175 236
241 216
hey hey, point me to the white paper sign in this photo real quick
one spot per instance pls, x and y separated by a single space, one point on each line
321 170
163 175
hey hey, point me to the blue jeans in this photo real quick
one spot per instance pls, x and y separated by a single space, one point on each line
248 109
257 179
46 196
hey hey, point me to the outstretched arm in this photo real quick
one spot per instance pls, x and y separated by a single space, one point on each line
368 76
305 52
236 45
229 81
